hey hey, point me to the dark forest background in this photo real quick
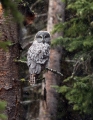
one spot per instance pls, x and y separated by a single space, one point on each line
72 94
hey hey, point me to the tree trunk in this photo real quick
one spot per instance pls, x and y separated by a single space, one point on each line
48 111
9 84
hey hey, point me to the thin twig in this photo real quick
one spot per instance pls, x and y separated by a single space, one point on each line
76 66
20 61
71 61
54 71
41 15
33 5
28 101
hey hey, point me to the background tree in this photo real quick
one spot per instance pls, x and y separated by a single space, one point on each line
78 34
48 110
10 89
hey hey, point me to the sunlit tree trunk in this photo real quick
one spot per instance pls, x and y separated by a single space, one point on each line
48 107
9 83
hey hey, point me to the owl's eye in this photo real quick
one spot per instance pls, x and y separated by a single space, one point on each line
39 36
46 36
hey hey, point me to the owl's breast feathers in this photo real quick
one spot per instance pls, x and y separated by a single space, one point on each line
38 54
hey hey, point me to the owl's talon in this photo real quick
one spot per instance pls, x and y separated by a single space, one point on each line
32 79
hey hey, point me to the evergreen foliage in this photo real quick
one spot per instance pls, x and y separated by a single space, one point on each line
11 6
5 44
78 39
78 26
79 92
2 108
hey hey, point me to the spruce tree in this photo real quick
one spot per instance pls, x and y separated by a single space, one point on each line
78 41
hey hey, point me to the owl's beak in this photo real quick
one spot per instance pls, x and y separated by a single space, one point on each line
43 41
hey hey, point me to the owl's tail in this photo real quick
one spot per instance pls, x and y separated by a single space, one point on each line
32 79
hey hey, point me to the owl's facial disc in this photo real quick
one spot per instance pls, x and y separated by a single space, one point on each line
43 37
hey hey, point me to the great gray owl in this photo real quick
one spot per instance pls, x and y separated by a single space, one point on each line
38 55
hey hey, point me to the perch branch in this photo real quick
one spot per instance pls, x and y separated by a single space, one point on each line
49 69
54 71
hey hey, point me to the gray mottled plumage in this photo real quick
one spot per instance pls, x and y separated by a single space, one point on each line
38 54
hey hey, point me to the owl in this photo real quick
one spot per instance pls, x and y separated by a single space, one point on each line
38 55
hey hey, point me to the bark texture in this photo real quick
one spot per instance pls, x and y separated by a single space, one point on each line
55 15
9 84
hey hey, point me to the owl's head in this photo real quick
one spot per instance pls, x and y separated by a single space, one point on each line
43 37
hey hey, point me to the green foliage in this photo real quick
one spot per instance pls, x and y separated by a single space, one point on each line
78 28
3 116
79 93
71 44
78 39
58 27
5 44
2 105
2 108
82 7
12 6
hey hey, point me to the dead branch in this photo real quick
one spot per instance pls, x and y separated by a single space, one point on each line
28 102
33 5
54 71
71 61
76 66
20 61
41 15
